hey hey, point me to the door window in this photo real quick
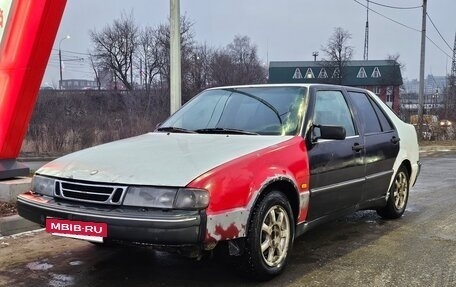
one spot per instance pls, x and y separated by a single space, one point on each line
366 112
384 121
332 109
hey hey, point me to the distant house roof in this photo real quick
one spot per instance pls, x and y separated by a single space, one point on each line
354 73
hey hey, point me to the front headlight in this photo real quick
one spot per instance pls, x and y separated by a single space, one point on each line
43 185
150 197
191 198
167 198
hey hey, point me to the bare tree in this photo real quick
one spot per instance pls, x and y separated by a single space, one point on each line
114 47
197 77
249 67
162 51
395 57
122 46
222 69
95 71
148 54
338 52
238 63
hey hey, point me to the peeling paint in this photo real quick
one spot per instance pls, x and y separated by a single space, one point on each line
227 225
231 232
232 224
304 198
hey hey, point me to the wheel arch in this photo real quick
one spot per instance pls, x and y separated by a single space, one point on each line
285 186
408 166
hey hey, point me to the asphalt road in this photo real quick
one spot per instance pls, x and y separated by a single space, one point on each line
359 250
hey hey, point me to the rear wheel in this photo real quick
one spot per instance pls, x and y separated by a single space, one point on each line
269 238
398 196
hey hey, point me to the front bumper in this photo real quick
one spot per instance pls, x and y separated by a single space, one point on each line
137 225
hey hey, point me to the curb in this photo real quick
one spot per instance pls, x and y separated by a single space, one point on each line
14 224
11 188
437 148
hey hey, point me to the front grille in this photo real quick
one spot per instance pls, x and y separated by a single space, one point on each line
90 192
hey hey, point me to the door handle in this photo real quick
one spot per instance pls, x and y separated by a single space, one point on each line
395 140
357 147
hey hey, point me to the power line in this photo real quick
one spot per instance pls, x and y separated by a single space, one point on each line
72 52
404 25
391 19
438 47
432 22
396 7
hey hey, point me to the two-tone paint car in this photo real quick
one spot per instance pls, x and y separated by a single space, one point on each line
251 167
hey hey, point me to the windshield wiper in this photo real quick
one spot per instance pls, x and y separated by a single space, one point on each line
224 131
264 102
175 130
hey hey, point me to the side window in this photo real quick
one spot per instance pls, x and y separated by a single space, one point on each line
366 112
384 122
332 109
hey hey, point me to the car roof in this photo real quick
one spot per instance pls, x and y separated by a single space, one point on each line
284 85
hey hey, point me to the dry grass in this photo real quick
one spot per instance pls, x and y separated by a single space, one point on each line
66 121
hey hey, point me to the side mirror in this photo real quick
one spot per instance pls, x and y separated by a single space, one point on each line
331 132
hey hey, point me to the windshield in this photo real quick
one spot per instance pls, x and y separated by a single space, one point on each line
255 110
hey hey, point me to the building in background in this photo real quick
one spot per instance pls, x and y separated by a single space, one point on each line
434 97
383 77
108 81
432 84
78 84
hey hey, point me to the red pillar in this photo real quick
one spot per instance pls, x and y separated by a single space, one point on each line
28 36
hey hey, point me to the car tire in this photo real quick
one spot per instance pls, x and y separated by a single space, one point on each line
269 237
398 196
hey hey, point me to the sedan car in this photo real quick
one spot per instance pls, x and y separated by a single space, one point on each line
245 167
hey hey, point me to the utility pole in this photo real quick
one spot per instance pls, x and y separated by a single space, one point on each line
450 98
60 60
366 35
175 56
315 55
453 64
422 58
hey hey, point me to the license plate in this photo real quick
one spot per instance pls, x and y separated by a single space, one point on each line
90 231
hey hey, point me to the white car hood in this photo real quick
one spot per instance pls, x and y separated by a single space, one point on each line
159 159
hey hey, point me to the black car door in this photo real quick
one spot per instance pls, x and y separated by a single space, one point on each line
381 143
336 166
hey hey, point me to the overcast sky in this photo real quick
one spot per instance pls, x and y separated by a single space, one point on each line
288 30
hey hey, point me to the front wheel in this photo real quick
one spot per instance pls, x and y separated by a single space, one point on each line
398 196
269 238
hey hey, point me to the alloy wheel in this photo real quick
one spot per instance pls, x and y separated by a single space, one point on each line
400 191
275 236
